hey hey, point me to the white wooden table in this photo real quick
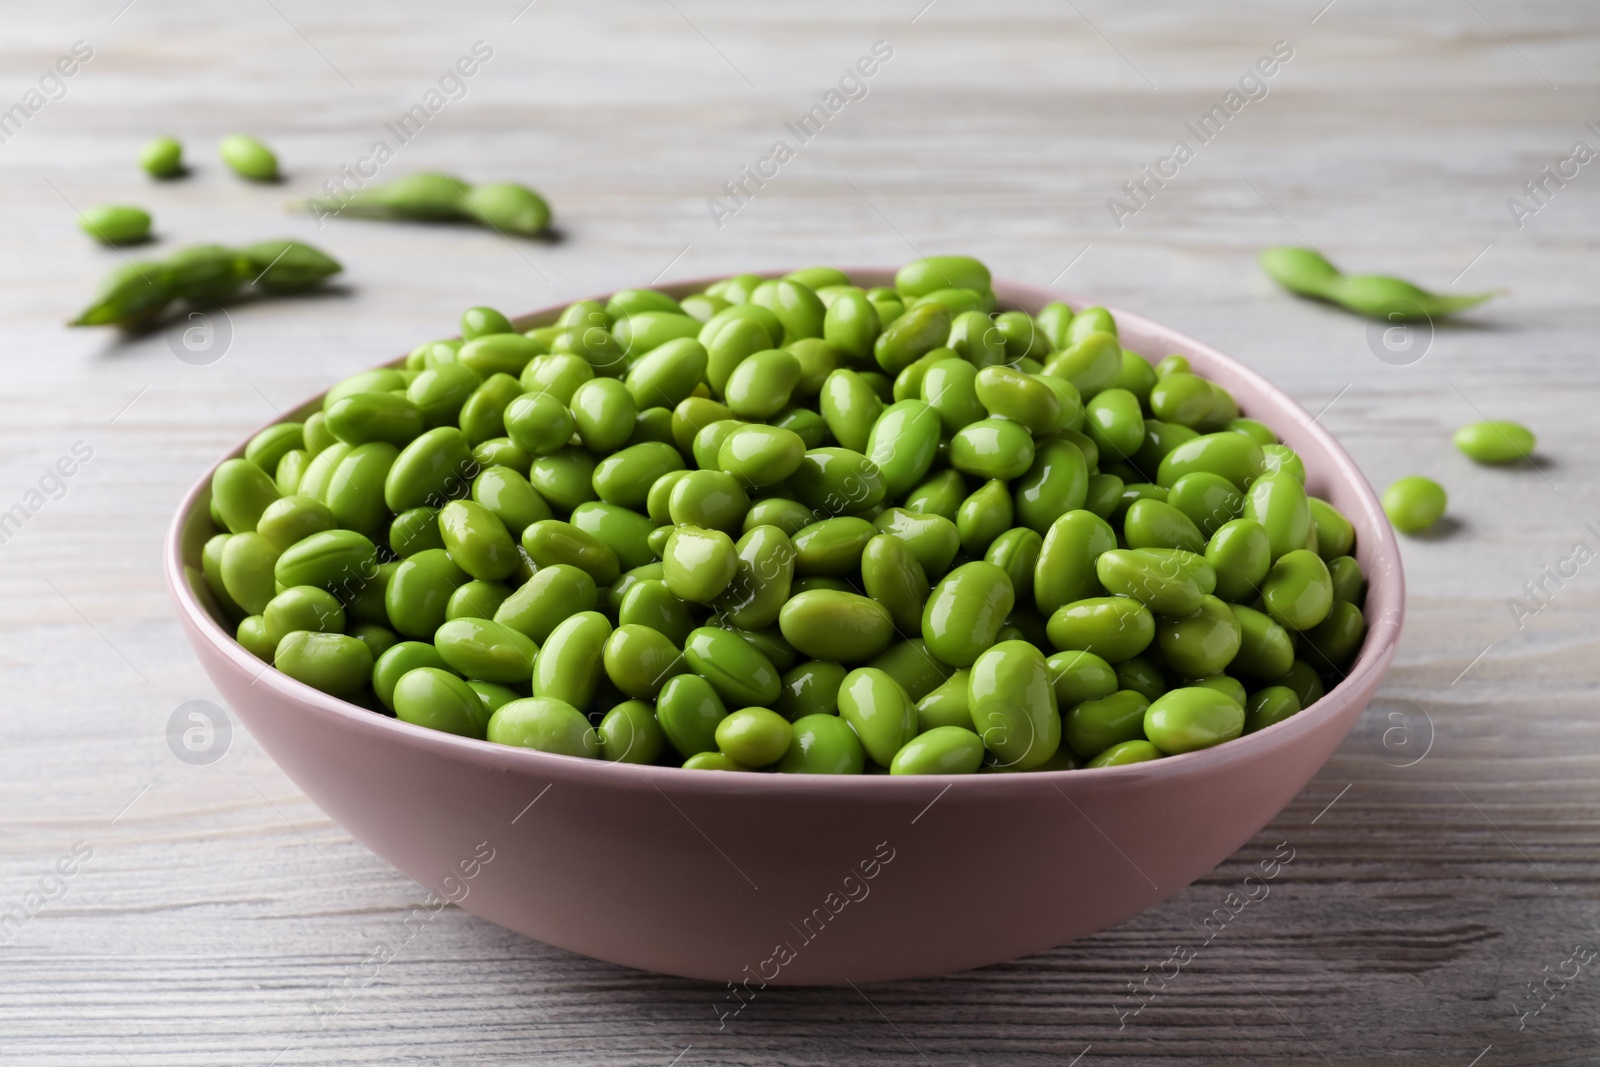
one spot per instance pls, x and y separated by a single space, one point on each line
1445 858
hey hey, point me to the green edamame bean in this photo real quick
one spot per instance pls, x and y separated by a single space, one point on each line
1281 459
1090 320
1017 553
1054 321
1202 643
992 448
933 539
812 688
1414 503
502 452
823 744
1278 502
1093 725
639 333
1092 362
291 519
499 353
491 651
627 533
162 157
1336 535
817 359
1303 679
483 416
939 495
290 470
1115 628
850 407
1232 455
739 672
478 541
482 321
912 335
1240 553
878 710
267 448
1103 494
554 592
241 491
1495 441
1225 684
964 612
1157 524
1142 675
604 412
1349 584
711 499
248 157
1066 571
399 660
493 695
851 325
246 568
1078 676
564 478
836 481
923 276
432 697
1126 753
1009 394
630 734
832 546
698 563
1209 500
440 391
1013 704
336 560
544 724
950 387
912 667
625 477
1269 706
337 664
552 542
761 455
1057 482
903 443
1183 398
760 385
764 569
1260 432
1265 648
648 602
414 530
355 494
942 750
1114 421
688 710
730 343
830 625
754 737
984 515
958 301
378 638
1298 590
668 374
1137 376
377 380
557 373
946 704
1192 718
1333 642
436 467
797 307
569 663
1151 579
595 345
304 607
510 497
476 600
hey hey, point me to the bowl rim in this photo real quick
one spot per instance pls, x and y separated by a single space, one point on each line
1385 611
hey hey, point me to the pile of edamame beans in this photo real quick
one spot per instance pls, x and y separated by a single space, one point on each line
794 525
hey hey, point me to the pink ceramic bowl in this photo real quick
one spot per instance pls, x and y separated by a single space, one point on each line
793 879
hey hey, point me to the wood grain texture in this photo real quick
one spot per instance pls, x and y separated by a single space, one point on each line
220 914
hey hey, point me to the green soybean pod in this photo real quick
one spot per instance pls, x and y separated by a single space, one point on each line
1092 363
546 725
1349 584
1495 441
1157 524
553 593
850 407
1115 628
903 443
1269 706
491 651
739 672
1078 676
246 568
1056 483
1066 571
1232 455
822 744
764 569
478 541
1091 726
240 492
941 494
433 697
438 466
964 612
1265 648
1192 718
698 563
1209 500
878 710
483 415
984 515
950 387
1336 535
569 663
1202 643
1278 502
553 542
337 664
291 519
1013 705
838 626
1126 753
1332 643
910 336
942 750
912 667
629 733
992 448
1298 591
1017 553
248 157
